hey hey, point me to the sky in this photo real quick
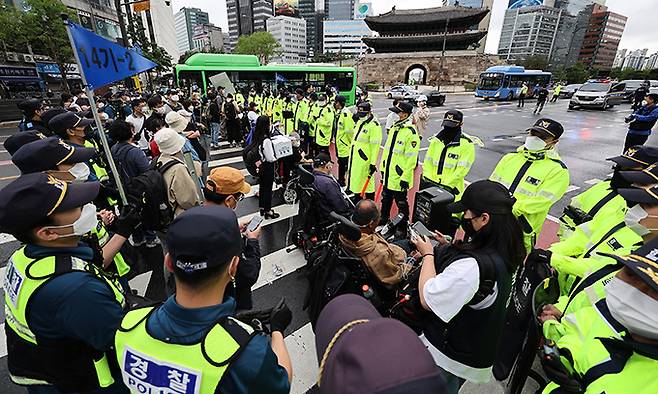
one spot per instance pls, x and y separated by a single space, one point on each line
638 34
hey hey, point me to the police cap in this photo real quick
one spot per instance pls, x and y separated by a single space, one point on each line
364 106
639 156
643 262
29 199
484 196
51 113
340 100
647 195
402 106
548 126
29 106
60 123
47 154
203 237
452 118
313 96
14 142
647 176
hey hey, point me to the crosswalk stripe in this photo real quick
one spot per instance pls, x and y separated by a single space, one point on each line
301 347
224 162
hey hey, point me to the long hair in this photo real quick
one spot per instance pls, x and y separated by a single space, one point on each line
262 130
503 234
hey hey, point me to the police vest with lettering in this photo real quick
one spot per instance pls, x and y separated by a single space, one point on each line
68 364
149 365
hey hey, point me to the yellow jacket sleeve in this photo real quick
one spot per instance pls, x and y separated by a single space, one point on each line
375 140
411 149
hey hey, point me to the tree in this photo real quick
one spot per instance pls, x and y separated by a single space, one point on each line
261 44
535 62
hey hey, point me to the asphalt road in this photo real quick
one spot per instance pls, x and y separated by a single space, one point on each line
590 138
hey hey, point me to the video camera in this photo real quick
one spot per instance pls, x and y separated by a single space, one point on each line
577 215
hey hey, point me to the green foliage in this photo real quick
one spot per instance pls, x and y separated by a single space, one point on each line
535 62
633 74
261 44
469 86
578 73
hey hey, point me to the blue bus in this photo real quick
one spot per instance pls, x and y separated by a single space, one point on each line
504 82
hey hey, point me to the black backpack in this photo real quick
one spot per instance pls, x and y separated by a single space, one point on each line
150 192
251 156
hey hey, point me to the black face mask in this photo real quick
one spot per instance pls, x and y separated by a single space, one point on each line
448 134
361 114
617 182
90 133
467 226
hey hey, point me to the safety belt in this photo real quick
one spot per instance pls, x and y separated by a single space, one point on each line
519 176
596 208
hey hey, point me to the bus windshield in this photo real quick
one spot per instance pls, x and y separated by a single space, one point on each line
490 81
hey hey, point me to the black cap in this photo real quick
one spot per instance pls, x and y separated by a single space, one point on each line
313 96
29 199
172 91
647 176
636 156
203 237
83 101
452 118
51 113
68 120
14 142
30 105
340 99
374 355
299 92
47 154
484 196
364 106
321 159
640 195
548 126
402 106
643 262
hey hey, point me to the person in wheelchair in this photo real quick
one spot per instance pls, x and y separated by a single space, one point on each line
386 261
331 198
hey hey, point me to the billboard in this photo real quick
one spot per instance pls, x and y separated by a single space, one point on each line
514 4
361 10
286 7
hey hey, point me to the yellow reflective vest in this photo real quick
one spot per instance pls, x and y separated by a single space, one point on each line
449 164
344 132
400 155
364 152
324 123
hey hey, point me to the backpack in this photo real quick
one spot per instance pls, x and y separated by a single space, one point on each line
150 192
251 157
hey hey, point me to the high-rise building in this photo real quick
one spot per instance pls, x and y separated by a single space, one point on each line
619 58
574 7
345 37
339 9
307 10
651 62
159 24
99 16
529 31
185 21
246 17
207 37
290 32
635 59
602 38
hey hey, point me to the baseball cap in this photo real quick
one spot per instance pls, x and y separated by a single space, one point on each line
51 113
375 355
14 142
550 126
227 181
68 120
30 198
364 106
639 195
484 196
169 141
636 156
47 154
30 105
647 176
321 159
643 262
402 106
452 118
203 237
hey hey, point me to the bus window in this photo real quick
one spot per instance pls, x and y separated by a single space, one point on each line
490 81
343 81
189 81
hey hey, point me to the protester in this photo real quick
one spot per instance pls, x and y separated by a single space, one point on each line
332 198
641 122
422 115
231 113
173 101
267 167
138 120
214 113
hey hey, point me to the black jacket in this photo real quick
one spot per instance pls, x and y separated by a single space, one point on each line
332 197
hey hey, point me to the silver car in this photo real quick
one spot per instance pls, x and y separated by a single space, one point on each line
404 92
601 95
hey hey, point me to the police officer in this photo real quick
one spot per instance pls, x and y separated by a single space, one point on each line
192 343
450 156
344 134
300 117
255 98
324 123
611 346
239 99
14 142
287 111
535 175
32 110
364 152
313 112
61 310
399 161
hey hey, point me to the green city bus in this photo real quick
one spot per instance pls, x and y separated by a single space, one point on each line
245 71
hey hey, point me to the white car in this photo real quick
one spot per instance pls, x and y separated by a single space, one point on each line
402 92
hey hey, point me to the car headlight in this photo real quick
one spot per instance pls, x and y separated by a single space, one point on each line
497 94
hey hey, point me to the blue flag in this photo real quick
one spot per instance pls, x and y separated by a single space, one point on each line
280 78
103 61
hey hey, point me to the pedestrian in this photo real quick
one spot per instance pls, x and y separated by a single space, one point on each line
359 351
32 110
226 186
522 94
344 135
398 163
232 121
364 152
214 118
267 166
557 90
58 304
639 95
324 124
641 122
421 115
466 285
535 175
542 96
173 101
392 116
313 113
137 119
192 342
449 157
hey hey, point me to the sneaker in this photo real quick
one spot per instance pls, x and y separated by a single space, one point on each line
134 244
153 243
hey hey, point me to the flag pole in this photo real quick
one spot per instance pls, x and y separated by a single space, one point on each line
97 118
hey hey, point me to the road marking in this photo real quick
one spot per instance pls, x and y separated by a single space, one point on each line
497 139
572 188
223 162
301 346
592 181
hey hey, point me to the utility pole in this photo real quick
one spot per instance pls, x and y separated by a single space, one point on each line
443 52
122 25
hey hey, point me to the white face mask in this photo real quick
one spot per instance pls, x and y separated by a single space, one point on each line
644 103
160 110
101 105
323 103
533 143
633 217
632 308
85 223
190 108
175 98
80 171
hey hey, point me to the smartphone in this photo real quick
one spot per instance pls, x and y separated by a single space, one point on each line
254 223
418 229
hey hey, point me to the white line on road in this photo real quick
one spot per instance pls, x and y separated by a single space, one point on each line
592 181
223 162
572 188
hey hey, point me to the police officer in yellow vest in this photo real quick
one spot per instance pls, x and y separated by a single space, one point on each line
255 98
287 114
449 157
399 162
67 163
535 175
324 124
61 311
192 343
364 152
344 134
268 103
313 112
277 109
239 99
611 346
301 111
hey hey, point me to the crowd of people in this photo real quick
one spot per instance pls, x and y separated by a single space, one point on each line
68 299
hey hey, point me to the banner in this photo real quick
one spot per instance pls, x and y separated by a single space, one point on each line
103 61
142 6
222 79
286 7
